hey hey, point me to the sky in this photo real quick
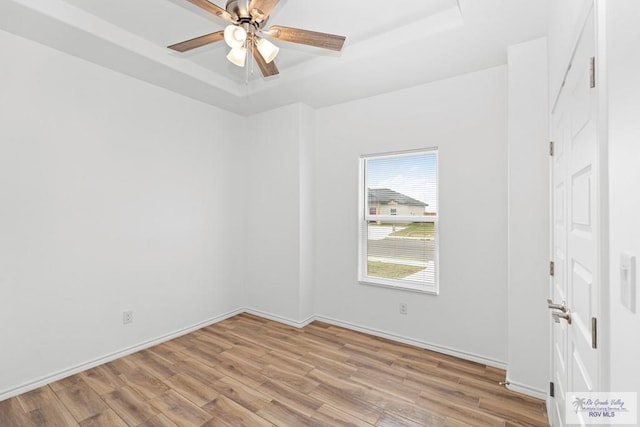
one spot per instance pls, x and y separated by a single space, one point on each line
412 175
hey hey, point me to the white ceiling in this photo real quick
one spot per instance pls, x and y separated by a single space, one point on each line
390 44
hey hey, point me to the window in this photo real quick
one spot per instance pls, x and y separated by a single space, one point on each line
399 220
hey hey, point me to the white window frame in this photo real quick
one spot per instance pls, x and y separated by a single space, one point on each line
364 218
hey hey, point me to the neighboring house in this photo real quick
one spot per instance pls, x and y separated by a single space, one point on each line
383 201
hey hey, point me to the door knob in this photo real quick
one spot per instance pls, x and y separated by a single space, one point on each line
554 306
559 315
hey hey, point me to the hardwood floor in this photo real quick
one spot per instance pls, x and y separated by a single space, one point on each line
248 371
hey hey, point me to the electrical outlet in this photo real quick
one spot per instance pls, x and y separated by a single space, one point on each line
127 317
403 308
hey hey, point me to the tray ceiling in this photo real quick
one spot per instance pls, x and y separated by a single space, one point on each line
390 45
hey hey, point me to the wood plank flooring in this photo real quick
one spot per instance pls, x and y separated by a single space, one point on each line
248 371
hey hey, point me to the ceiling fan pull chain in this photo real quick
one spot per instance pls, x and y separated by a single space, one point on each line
250 62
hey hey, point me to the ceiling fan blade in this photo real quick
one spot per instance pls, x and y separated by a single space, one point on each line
311 38
198 42
212 8
267 70
265 7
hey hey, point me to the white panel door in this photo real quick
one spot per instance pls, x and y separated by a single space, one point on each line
576 233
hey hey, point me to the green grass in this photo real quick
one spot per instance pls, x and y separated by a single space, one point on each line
417 229
390 271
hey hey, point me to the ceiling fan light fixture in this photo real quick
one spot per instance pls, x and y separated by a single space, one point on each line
268 50
235 36
238 56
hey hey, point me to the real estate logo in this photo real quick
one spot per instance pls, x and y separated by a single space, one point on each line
601 408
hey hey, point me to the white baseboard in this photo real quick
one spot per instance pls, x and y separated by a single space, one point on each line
521 388
47 379
525 389
280 319
371 331
417 343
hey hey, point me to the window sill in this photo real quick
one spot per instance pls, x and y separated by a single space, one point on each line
431 290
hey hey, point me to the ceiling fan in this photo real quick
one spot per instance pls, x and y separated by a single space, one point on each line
245 33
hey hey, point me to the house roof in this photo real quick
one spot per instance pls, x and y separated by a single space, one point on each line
384 196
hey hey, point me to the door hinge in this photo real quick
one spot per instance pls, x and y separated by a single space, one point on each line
551 148
552 391
592 72
552 268
594 332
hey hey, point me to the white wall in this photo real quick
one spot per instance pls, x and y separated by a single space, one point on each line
528 266
466 118
566 20
117 195
307 211
623 43
114 195
279 181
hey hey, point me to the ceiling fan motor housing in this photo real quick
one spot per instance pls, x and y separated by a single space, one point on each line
240 11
